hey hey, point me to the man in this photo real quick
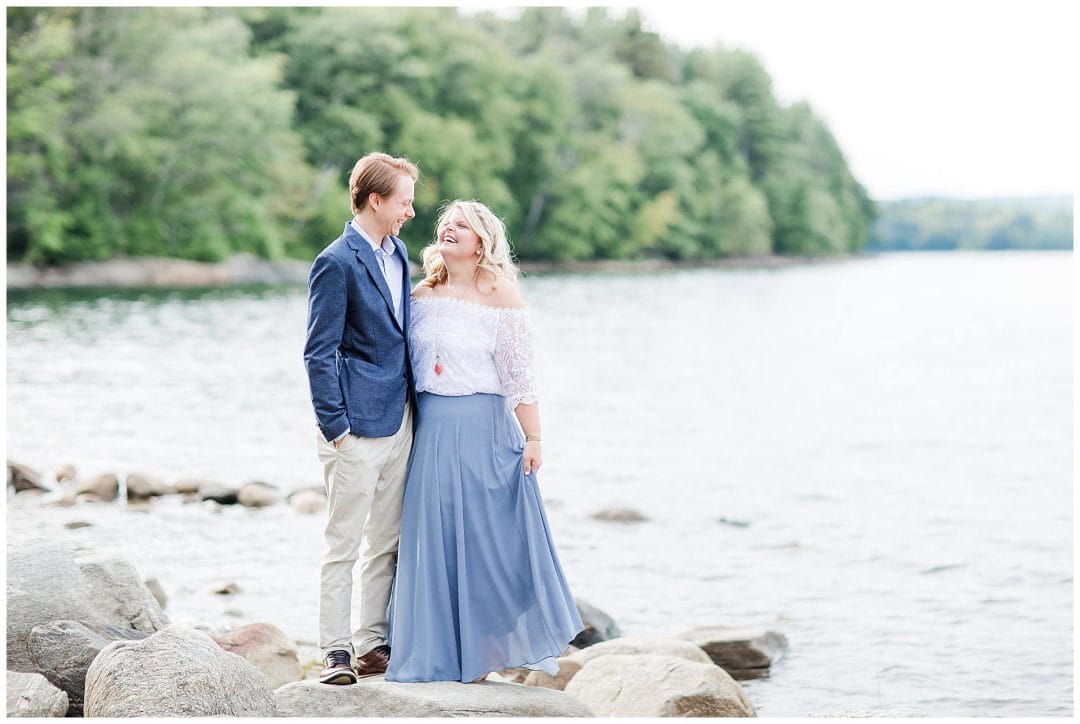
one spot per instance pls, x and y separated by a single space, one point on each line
357 361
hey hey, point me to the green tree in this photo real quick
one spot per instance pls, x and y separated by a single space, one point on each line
154 132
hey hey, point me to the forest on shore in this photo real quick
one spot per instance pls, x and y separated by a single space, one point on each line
202 132
945 224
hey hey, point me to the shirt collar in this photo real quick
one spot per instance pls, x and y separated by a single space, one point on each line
387 245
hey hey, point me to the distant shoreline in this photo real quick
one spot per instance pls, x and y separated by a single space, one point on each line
245 270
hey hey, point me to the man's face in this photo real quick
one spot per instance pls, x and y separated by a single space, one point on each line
397 208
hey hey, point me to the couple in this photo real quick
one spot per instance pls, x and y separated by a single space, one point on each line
422 457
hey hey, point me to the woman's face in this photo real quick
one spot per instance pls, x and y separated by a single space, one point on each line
456 239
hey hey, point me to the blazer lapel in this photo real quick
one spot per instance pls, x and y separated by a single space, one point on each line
406 282
366 256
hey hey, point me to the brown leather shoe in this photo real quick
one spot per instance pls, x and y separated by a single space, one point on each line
374 661
338 669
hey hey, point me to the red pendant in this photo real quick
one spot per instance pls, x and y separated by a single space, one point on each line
438 367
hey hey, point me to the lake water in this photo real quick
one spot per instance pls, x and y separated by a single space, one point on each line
895 432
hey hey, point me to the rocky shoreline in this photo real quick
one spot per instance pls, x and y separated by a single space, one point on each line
244 270
88 635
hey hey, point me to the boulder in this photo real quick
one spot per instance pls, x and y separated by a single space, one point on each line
620 515
218 492
176 672
745 653
33 696
144 487
376 697
43 584
257 494
66 473
64 650
657 686
104 487
307 500
567 668
120 596
633 645
267 648
23 478
598 625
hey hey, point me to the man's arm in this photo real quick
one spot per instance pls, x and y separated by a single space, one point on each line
327 300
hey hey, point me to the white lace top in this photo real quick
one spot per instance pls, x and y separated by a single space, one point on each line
478 348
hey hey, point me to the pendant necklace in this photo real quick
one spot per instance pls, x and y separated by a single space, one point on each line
438 338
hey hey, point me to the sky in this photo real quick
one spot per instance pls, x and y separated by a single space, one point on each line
942 97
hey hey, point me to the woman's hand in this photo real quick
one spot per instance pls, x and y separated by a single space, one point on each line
531 456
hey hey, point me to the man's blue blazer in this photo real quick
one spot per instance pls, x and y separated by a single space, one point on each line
357 355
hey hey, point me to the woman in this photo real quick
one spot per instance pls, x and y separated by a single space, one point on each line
479 586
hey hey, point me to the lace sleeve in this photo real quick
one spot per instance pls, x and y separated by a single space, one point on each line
514 357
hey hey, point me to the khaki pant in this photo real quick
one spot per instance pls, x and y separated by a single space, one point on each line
365 485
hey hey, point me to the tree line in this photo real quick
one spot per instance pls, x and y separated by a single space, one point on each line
941 224
201 132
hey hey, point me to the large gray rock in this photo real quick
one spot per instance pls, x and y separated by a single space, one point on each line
176 672
120 596
267 648
642 645
657 686
46 584
43 584
745 653
32 695
378 698
598 626
63 651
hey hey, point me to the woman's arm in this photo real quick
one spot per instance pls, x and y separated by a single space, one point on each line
529 418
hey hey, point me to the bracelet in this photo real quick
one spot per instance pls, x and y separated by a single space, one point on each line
532 438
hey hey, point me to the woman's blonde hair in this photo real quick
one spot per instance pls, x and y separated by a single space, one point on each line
495 256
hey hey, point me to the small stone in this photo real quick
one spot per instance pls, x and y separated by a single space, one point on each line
307 500
143 487
745 653
218 493
105 487
78 524
257 494
154 586
23 478
598 626
620 515
227 589
189 486
567 668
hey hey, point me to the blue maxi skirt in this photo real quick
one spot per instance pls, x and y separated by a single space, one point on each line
479 586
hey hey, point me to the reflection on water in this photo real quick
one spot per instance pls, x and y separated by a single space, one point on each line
872 457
